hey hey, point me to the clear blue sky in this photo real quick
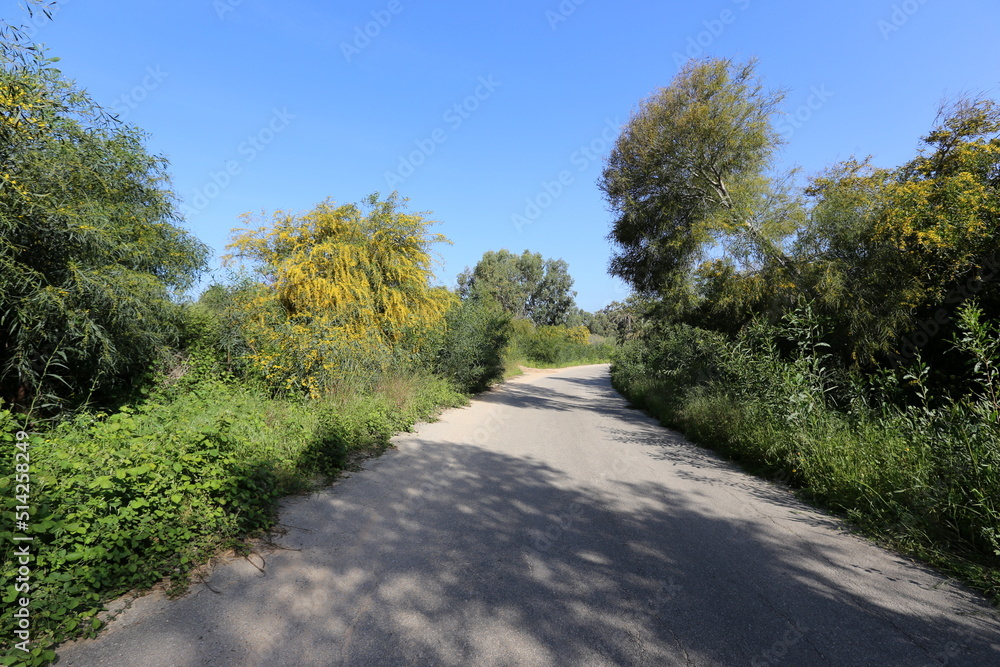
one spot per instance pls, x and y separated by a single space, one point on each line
300 105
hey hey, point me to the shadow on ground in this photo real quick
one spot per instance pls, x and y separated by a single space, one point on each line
460 555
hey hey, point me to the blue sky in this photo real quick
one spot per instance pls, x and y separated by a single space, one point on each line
494 116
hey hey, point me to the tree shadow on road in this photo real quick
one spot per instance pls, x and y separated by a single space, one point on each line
478 558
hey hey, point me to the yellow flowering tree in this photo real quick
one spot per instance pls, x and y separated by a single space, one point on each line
882 253
344 291
888 250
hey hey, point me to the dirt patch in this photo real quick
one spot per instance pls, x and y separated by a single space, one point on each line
529 369
527 372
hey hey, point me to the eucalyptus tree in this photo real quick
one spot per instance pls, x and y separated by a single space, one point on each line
526 286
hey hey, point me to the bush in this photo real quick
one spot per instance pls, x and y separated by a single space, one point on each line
119 504
555 345
674 358
326 451
125 500
472 354
924 476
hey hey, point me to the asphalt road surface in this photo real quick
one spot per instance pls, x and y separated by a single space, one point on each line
549 524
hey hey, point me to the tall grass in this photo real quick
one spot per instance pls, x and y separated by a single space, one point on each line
923 475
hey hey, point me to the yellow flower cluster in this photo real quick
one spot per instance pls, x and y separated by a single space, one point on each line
342 290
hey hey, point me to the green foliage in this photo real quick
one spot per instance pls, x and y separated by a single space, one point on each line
123 501
91 255
525 286
778 353
885 249
673 359
980 341
883 254
688 172
337 432
471 355
119 505
555 345
925 477
346 295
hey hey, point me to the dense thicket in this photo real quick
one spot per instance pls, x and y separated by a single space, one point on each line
202 414
843 336
91 253
345 292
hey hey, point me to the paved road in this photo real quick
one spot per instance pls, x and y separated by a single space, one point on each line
548 524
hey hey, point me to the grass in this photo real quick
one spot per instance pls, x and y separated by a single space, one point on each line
923 478
929 492
127 500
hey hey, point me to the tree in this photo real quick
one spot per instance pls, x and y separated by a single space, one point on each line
689 173
885 250
343 287
92 258
526 286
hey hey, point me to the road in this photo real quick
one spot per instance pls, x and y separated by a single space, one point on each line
550 524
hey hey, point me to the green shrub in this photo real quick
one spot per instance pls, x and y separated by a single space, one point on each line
925 476
119 505
673 358
326 451
555 345
123 501
472 353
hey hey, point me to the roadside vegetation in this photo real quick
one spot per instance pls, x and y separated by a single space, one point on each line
842 337
144 430
547 329
555 346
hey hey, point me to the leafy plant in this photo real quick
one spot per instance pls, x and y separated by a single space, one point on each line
123 501
981 340
346 294
471 355
91 252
